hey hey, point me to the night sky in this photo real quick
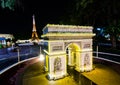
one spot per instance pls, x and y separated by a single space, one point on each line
19 20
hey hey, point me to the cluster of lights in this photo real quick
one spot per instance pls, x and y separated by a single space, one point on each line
41 57
56 76
68 34
69 26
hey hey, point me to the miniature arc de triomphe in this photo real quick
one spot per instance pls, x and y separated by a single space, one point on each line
67 45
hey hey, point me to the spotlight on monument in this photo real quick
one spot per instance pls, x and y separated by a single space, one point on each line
41 57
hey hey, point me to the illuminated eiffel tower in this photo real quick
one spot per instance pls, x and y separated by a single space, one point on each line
34 37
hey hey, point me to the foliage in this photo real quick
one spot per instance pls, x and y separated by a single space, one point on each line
103 13
8 3
97 13
113 29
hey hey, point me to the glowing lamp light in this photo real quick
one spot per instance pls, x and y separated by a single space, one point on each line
41 58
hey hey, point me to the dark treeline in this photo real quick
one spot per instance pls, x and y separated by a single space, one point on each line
97 13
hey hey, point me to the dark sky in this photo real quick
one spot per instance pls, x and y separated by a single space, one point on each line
19 21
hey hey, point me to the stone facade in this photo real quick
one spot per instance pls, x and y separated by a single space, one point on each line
70 45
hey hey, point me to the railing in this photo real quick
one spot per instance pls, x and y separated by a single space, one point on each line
31 52
12 59
15 64
115 58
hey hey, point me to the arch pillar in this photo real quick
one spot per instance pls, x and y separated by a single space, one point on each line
69 56
55 60
84 60
78 65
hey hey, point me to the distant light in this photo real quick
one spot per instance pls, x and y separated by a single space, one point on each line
98 29
41 58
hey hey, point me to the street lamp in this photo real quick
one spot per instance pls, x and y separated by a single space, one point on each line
41 57
18 54
97 51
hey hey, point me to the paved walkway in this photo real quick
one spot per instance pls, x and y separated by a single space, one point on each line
34 75
102 75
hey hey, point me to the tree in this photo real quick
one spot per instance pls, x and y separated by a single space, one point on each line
8 3
12 4
114 31
103 13
113 23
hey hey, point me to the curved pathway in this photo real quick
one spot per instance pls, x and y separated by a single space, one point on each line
101 75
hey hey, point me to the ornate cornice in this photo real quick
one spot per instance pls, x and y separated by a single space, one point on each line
67 28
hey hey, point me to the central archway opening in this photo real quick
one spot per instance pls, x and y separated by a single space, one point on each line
72 52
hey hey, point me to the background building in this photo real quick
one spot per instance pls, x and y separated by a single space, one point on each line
5 40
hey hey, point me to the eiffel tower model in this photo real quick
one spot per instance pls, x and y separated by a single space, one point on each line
34 37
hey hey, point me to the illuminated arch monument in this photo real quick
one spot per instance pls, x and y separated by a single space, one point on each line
67 45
